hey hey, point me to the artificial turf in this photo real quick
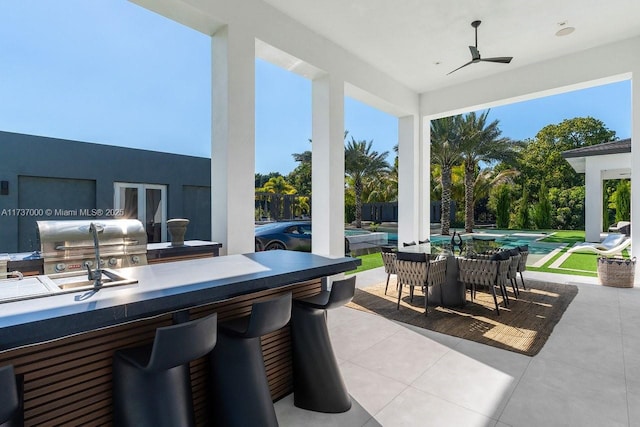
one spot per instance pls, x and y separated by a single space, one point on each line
368 262
577 263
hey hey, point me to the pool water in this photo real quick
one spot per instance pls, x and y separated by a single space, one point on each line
504 238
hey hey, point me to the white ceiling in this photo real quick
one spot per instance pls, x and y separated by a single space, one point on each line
406 38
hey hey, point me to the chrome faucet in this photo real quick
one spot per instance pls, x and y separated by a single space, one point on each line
95 275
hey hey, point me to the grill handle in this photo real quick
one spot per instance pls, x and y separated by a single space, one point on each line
70 248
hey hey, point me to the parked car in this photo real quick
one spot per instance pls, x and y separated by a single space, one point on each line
292 235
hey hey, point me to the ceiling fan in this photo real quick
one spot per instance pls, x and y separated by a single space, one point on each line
475 53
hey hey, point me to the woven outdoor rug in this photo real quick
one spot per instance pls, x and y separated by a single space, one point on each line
523 327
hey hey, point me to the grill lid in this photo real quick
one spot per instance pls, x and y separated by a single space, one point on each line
71 238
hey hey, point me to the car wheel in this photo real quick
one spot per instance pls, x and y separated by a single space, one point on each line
274 245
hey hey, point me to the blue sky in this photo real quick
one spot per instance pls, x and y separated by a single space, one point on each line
110 72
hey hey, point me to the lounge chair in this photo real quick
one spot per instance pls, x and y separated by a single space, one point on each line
613 244
623 227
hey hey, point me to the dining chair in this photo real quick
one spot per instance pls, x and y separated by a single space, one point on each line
389 261
512 275
490 271
416 270
522 266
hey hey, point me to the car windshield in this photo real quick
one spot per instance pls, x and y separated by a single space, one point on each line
278 225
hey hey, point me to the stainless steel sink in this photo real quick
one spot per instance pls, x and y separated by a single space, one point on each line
15 289
78 281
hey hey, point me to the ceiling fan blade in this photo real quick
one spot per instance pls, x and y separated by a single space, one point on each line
475 55
462 66
500 59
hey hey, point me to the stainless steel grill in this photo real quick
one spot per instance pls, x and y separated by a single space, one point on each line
68 246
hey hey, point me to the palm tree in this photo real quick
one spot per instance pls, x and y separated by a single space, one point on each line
278 186
480 142
445 152
361 164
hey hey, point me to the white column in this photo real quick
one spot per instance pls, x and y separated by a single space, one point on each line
409 181
424 143
592 200
327 174
635 171
233 140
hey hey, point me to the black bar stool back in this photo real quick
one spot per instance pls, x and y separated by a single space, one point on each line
10 411
240 394
317 381
151 383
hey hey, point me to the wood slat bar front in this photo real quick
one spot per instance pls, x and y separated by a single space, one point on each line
68 381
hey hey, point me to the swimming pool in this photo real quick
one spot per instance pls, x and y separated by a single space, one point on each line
504 238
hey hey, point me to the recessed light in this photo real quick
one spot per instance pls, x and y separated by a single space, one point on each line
565 31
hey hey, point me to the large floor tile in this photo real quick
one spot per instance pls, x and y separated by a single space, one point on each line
631 353
350 339
417 408
509 362
633 401
471 383
371 389
446 340
555 393
344 316
403 356
595 352
593 317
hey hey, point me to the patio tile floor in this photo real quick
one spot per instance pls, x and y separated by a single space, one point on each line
587 374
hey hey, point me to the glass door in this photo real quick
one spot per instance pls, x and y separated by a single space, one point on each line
146 202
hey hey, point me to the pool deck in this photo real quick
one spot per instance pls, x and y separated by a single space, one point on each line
399 375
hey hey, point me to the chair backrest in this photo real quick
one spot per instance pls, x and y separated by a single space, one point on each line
613 240
9 402
412 268
514 262
389 261
413 256
342 292
524 254
268 316
437 273
478 271
180 344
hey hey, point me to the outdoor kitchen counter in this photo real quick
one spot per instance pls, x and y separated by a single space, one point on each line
161 289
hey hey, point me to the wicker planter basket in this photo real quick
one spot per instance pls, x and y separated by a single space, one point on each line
616 272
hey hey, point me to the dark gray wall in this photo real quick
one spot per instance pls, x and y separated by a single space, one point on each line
195 201
52 173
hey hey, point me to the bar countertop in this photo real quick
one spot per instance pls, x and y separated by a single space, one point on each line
161 288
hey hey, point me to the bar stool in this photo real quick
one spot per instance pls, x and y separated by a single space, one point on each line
151 383
10 413
317 382
240 393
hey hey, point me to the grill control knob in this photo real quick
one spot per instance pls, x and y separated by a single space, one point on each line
135 259
87 263
61 267
112 262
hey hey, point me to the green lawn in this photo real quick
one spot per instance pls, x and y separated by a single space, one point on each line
565 236
368 262
576 264
581 262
